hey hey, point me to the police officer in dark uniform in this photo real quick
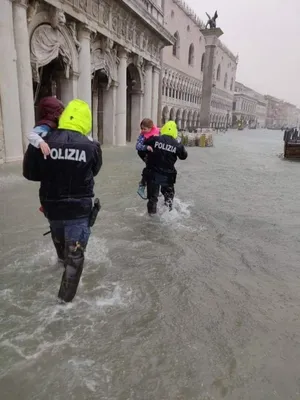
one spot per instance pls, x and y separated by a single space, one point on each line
67 188
160 170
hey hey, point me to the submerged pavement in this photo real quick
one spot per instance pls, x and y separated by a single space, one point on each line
198 304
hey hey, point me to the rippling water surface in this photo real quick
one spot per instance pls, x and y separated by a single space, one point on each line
198 304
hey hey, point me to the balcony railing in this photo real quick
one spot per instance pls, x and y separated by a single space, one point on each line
154 7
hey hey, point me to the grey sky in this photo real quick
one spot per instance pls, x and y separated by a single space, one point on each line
266 34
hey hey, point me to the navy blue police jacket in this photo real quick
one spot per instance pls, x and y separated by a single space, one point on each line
66 175
161 162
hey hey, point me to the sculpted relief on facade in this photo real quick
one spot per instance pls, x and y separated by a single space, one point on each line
121 25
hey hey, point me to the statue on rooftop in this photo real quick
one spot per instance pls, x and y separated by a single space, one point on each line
212 21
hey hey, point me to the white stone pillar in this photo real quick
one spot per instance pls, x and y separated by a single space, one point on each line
95 95
109 114
155 89
68 88
121 99
136 113
148 91
23 68
84 81
9 90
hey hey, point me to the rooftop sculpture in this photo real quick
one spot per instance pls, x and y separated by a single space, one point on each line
212 21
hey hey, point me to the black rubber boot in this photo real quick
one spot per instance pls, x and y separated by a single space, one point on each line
72 273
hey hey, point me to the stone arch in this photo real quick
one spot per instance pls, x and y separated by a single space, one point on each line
219 72
225 80
178 118
133 102
190 119
195 117
202 62
172 114
60 41
176 45
136 76
191 55
184 118
105 62
165 114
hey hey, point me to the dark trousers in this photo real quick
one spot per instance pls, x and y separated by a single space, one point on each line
70 238
143 156
168 191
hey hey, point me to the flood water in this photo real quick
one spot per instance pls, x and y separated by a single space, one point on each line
201 303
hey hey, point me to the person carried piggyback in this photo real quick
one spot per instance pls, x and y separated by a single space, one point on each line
148 129
49 111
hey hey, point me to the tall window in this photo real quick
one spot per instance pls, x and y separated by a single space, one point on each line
219 73
176 45
231 84
191 54
202 62
225 81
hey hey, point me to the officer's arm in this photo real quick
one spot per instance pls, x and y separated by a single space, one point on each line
149 142
97 159
32 164
181 152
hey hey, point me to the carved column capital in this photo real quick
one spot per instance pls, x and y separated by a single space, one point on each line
123 52
21 3
84 31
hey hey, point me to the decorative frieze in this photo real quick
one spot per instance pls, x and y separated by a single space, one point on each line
121 22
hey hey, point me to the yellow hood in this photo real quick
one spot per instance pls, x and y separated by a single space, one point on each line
76 117
170 129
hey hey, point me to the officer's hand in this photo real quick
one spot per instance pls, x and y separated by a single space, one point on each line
45 148
149 148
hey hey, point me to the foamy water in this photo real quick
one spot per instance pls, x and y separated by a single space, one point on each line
198 303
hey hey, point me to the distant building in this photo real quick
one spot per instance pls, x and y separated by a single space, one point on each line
182 71
249 107
281 114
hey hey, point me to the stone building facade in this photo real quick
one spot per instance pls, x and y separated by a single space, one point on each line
249 106
106 52
182 71
281 114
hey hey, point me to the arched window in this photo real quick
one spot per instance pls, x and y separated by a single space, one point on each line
176 45
191 55
202 62
231 84
219 73
225 81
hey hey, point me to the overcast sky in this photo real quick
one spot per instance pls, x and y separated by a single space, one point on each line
266 34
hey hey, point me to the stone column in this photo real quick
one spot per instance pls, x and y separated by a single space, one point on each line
155 95
68 88
95 95
109 114
211 41
148 91
84 81
9 90
121 99
23 68
136 113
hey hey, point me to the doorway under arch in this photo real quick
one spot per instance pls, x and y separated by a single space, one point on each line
99 88
134 105
49 83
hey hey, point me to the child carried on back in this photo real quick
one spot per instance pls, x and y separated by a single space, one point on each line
148 129
49 111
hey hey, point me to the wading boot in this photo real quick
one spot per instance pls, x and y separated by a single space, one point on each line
72 273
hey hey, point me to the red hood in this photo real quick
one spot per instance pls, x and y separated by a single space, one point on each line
49 111
154 132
